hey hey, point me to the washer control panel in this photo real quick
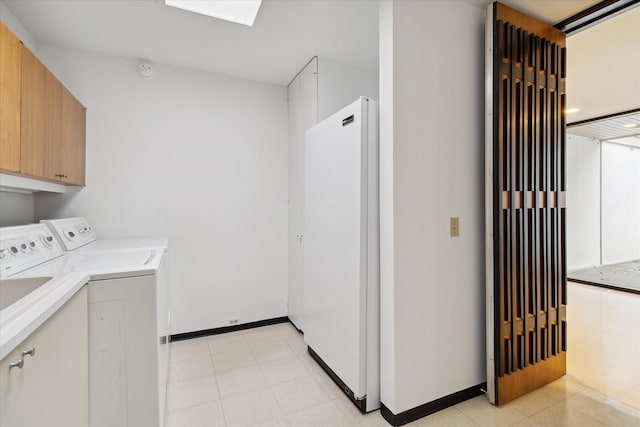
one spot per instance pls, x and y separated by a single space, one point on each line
26 246
72 233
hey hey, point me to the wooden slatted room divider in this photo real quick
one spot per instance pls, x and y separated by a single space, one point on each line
528 180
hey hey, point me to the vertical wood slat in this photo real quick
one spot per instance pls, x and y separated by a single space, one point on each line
562 204
525 138
555 128
510 186
520 208
546 164
535 230
542 182
529 99
529 216
499 220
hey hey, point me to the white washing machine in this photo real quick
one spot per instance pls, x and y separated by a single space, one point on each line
75 234
128 320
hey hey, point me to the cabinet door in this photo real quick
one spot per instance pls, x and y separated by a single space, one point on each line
10 78
294 240
69 164
52 388
41 117
303 114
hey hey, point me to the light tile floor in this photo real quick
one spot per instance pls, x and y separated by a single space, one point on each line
264 377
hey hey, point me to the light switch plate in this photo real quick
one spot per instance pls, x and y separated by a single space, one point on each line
454 226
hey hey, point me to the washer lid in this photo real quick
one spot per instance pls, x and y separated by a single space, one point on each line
131 243
101 265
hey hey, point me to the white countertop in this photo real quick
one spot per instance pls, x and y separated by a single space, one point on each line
21 318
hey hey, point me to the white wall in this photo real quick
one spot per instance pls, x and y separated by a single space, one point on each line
620 203
603 202
193 156
16 208
388 389
583 201
341 84
603 66
432 290
16 27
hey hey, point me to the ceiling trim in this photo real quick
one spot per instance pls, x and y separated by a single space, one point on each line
608 116
595 14
302 69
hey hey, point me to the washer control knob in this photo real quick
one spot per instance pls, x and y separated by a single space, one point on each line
32 244
13 250
23 246
47 240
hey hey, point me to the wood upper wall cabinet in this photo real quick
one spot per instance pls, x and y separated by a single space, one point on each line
70 154
48 141
10 83
40 116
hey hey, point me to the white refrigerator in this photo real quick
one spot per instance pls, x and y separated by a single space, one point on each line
341 250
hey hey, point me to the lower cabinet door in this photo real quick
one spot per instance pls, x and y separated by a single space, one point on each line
52 387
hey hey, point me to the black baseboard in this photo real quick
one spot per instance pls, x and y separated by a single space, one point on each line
604 285
225 329
431 407
360 404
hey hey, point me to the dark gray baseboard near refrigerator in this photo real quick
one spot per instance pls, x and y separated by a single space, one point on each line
360 404
431 407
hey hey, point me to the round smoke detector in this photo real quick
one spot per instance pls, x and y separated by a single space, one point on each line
146 70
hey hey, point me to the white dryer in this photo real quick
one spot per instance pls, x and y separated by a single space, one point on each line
75 234
128 322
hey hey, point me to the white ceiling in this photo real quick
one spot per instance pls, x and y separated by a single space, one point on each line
612 129
285 35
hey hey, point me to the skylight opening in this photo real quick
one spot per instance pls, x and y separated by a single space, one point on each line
238 11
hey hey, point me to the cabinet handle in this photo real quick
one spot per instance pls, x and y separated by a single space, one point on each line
31 352
61 175
18 364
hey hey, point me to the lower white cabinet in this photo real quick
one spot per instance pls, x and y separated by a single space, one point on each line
52 386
